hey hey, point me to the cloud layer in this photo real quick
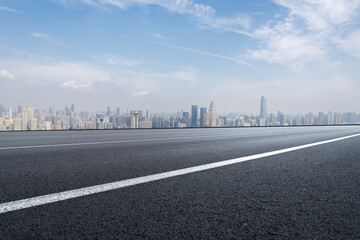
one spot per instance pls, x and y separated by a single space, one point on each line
308 32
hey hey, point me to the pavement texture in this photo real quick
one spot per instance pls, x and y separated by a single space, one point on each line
312 193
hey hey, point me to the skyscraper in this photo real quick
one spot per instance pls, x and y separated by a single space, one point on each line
108 111
212 115
134 122
263 108
194 115
72 107
118 111
28 120
202 112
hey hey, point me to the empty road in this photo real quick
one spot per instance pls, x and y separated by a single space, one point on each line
223 183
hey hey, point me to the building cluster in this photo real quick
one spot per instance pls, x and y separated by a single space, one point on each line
29 118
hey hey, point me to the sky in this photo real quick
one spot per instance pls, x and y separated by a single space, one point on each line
166 55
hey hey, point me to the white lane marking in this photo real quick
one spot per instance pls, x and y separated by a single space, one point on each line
125 141
61 196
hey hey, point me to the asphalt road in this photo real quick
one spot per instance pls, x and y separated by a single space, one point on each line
310 193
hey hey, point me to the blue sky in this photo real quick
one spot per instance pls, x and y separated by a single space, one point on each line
167 55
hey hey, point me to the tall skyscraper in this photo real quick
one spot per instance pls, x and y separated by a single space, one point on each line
72 107
118 111
212 115
263 108
134 122
108 111
202 112
194 115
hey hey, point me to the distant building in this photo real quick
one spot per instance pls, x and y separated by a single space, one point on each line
212 115
263 108
146 124
108 111
134 123
28 120
202 113
194 115
10 113
186 115
261 122
16 126
320 119
309 119
330 118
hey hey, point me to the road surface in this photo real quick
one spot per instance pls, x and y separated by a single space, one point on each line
229 183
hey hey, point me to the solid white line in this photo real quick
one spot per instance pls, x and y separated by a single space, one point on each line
61 196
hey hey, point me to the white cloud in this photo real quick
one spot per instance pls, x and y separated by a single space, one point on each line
322 14
140 93
75 85
290 49
119 61
349 43
204 14
6 75
66 74
3 8
306 35
157 35
235 60
46 36
39 35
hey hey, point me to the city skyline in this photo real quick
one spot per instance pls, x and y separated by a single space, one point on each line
30 118
150 54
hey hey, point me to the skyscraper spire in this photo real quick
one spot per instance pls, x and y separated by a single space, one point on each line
263 108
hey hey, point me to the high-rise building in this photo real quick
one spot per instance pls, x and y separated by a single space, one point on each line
108 111
330 118
28 120
134 122
321 119
309 119
1 110
186 115
202 112
16 124
51 111
118 111
263 108
72 107
212 115
194 115
67 111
